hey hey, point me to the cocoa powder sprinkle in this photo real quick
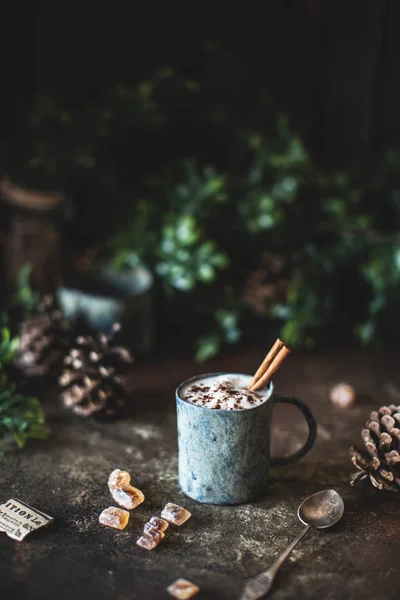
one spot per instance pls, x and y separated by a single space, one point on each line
222 395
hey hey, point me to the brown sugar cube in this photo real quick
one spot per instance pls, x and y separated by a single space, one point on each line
177 515
147 541
150 540
182 589
114 517
129 497
158 523
155 533
149 529
118 479
151 537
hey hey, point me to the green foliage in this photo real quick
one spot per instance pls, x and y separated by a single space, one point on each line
382 273
202 223
27 299
187 257
8 347
344 280
23 304
203 178
202 226
226 331
20 416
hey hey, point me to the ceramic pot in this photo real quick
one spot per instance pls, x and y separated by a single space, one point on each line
101 297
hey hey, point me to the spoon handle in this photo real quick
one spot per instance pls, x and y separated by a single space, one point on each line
260 585
274 568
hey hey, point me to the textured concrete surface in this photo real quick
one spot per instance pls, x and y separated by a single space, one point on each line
220 546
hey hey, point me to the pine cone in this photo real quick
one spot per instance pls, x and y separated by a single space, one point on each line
380 459
94 376
43 340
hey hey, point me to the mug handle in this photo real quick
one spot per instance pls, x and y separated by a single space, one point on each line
312 430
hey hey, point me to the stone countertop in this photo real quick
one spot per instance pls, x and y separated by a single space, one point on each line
220 546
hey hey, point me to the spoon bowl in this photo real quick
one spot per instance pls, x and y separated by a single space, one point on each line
322 509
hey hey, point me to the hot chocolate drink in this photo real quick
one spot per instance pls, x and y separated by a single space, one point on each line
224 392
224 432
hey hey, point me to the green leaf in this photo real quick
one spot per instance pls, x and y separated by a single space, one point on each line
281 311
292 333
20 438
396 258
220 260
228 322
206 273
265 221
183 283
285 189
186 231
336 206
213 186
365 332
207 346
27 298
8 346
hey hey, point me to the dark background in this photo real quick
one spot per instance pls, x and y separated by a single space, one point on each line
332 65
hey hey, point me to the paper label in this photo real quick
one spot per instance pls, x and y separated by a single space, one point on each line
17 519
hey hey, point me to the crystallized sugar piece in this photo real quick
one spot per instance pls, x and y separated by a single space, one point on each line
153 533
182 589
147 541
175 514
114 517
118 479
129 497
124 494
151 537
150 540
158 523
149 528
157 534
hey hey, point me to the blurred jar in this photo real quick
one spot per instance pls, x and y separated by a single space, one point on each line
31 235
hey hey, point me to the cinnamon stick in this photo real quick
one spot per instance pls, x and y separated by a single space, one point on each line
266 362
273 367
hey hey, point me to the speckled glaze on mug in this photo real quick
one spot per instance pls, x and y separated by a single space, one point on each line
224 455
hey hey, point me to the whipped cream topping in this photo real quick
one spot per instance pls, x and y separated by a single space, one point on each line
224 392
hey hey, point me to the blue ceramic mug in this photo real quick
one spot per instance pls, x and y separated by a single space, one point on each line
224 455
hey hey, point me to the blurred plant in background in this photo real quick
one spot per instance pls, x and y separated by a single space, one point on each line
203 181
22 305
21 417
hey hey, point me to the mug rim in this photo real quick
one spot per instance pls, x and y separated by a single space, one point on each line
220 410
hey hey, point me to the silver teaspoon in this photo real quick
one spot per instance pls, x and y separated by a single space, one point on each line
320 510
